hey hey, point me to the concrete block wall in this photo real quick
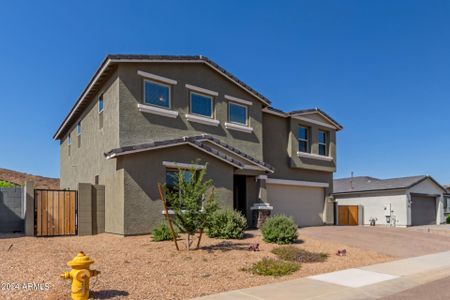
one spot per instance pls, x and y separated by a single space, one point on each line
84 209
28 209
91 209
11 210
98 209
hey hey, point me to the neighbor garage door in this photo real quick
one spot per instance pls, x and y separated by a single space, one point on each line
423 210
304 204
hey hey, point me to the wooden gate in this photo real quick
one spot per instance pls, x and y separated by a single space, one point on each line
348 214
55 212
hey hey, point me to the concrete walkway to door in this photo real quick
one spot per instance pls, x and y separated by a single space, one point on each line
397 242
370 282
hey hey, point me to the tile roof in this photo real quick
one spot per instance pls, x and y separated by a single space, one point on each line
197 141
366 183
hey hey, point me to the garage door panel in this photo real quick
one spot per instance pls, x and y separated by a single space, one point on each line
304 204
423 210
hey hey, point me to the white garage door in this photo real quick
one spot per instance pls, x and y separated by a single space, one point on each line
304 204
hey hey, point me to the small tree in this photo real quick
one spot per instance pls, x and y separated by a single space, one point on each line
192 200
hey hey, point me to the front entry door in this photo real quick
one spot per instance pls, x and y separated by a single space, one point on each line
239 194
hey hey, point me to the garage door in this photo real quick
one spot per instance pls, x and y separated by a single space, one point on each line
423 210
304 204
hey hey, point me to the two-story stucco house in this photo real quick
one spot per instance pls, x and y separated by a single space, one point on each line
142 117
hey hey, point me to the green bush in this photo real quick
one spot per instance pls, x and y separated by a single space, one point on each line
161 232
227 224
280 230
292 253
273 267
6 184
448 219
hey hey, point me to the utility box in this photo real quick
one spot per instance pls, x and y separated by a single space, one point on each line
387 210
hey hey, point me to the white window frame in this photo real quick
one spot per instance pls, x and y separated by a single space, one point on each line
308 134
202 95
246 114
161 84
79 128
157 78
324 144
238 100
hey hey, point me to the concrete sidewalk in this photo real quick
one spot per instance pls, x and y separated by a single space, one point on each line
370 282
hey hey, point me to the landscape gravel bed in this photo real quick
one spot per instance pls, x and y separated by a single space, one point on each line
137 268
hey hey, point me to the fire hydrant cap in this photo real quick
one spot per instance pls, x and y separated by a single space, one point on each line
80 260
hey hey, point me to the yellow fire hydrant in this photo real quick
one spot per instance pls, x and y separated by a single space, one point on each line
80 275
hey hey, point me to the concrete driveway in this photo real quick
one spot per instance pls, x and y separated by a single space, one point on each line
397 242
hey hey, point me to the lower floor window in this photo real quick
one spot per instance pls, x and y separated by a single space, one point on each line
172 180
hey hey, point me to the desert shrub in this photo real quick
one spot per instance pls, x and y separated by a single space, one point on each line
161 232
280 230
291 253
273 267
227 224
448 219
193 201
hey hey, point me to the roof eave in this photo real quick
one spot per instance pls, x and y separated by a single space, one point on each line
320 112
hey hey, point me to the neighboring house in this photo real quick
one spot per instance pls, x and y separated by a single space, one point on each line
405 201
141 118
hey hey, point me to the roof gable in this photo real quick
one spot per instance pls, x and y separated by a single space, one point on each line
316 116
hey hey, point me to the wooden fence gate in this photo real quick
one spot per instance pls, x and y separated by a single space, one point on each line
348 214
55 212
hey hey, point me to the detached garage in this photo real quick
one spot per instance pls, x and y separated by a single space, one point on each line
405 201
303 201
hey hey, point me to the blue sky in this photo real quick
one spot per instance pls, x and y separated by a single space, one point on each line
381 68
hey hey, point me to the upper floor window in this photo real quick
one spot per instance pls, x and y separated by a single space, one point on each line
303 139
100 104
79 134
100 112
237 113
202 105
322 142
157 94
69 141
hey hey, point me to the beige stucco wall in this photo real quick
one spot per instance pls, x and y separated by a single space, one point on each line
278 153
87 160
143 171
311 163
137 127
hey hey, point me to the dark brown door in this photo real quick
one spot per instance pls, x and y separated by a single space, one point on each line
240 193
55 212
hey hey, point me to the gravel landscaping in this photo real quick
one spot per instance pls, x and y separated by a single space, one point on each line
136 268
